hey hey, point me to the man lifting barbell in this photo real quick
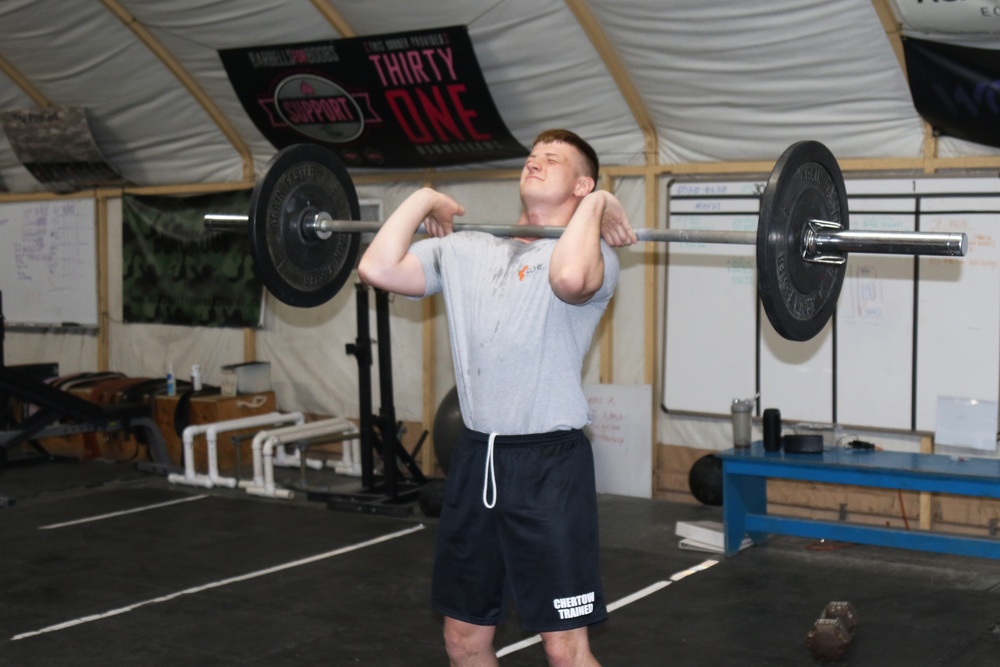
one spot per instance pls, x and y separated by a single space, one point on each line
520 327
520 510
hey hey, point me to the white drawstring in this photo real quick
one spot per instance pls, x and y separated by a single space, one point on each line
489 476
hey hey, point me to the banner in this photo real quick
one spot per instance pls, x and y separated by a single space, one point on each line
956 89
948 17
174 272
414 99
56 146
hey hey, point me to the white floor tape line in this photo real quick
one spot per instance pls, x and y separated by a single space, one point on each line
110 515
217 584
618 604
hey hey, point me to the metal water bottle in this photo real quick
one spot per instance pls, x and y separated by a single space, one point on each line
741 421
772 430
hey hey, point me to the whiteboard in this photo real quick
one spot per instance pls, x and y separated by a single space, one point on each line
875 329
796 377
711 297
906 330
621 432
48 262
959 316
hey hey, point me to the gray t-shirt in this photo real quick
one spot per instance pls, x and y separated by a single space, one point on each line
518 349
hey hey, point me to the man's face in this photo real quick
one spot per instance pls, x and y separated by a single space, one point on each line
554 170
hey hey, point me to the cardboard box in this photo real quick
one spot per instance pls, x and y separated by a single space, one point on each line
211 409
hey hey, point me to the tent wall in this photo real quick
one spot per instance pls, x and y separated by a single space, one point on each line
311 371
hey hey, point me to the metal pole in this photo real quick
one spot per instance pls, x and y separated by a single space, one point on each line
362 351
821 242
891 243
387 408
218 222
221 222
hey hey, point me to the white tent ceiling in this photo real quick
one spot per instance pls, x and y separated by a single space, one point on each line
649 82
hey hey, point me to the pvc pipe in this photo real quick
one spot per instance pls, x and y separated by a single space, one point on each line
272 442
283 459
258 444
190 477
212 434
267 488
313 429
350 461
259 486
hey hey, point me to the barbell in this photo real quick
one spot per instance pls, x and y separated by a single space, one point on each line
305 234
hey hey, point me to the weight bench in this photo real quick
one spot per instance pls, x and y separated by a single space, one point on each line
61 413
744 492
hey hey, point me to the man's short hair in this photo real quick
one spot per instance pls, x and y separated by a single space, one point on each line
573 139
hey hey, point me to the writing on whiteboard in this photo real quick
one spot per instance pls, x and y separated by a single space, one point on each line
735 188
741 270
621 432
867 303
608 425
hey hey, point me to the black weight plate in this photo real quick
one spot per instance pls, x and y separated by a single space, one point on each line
298 269
799 297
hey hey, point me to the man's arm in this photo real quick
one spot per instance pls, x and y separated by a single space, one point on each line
576 270
387 263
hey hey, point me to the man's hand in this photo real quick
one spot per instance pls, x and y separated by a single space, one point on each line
387 264
615 227
576 270
441 213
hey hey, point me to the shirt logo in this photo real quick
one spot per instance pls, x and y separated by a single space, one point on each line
527 270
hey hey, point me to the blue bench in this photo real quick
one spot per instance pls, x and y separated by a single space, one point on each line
744 488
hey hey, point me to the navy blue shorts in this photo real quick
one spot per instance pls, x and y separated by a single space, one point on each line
536 547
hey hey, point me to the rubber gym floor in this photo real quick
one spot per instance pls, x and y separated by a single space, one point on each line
106 565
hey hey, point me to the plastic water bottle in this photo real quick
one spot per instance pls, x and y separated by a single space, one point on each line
196 377
171 381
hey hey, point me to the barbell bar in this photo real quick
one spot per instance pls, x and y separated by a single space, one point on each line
322 226
305 233
823 241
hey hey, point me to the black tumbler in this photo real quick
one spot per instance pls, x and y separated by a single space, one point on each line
772 430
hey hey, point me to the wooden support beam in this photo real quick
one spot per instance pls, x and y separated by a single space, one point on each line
652 301
103 284
585 16
893 32
926 498
334 18
23 83
651 309
249 345
171 63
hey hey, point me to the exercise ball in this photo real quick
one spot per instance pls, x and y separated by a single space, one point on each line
705 480
448 427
